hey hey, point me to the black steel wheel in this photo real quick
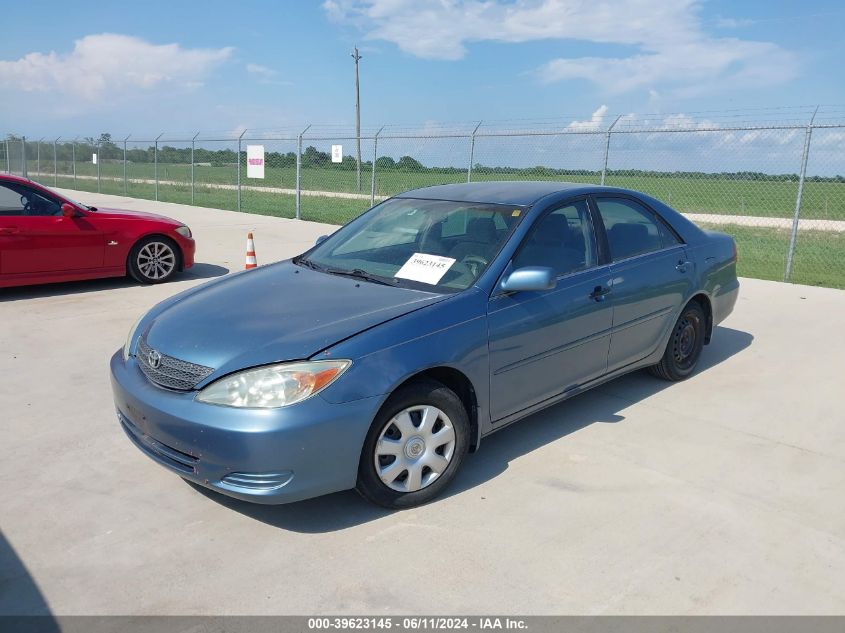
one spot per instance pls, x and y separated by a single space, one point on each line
684 347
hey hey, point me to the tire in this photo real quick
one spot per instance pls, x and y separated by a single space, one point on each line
423 429
154 259
684 347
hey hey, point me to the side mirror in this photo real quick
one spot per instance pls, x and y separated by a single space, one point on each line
529 278
321 239
68 210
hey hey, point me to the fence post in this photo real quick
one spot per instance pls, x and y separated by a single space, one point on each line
193 140
472 151
23 157
155 162
124 163
607 147
8 162
73 160
56 162
794 235
239 168
99 160
38 156
299 173
373 174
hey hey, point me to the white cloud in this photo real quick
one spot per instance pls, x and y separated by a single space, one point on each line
111 64
261 71
266 75
732 23
670 45
691 68
594 122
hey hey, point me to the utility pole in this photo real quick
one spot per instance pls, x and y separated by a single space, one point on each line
357 58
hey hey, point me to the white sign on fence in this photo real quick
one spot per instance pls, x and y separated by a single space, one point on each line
337 153
255 161
94 158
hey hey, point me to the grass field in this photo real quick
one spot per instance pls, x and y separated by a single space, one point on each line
819 257
769 198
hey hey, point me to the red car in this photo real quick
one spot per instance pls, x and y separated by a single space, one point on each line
46 237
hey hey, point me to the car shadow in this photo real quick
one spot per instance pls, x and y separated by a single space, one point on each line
22 606
346 509
197 271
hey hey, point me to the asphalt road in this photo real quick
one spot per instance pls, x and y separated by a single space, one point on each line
719 495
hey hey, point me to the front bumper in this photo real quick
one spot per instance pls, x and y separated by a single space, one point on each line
265 456
189 249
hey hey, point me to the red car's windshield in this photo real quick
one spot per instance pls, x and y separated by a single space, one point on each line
64 197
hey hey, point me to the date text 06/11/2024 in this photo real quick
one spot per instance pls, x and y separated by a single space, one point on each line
430 623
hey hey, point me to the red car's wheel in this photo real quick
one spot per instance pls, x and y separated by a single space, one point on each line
154 260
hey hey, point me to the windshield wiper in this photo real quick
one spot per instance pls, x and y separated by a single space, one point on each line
358 273
301 261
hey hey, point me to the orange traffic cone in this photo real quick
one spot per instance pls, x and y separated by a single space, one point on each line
251 262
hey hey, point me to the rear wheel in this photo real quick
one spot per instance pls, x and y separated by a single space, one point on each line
153 260
414 446
684 347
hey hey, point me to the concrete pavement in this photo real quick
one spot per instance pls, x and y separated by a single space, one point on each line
718 495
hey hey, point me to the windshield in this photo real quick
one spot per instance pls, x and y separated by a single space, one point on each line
431 244
71 200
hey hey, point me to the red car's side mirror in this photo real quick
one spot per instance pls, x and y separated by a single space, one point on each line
68 210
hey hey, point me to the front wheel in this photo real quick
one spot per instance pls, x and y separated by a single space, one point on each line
684 347
153 260
414 446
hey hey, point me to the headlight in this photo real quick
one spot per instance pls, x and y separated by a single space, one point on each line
127 346
275 385
184 231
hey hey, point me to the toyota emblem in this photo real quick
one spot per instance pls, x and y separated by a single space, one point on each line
154 359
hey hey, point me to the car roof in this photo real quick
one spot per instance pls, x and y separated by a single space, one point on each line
18 179
519 193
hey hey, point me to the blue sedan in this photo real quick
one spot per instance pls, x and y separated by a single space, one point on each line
380 357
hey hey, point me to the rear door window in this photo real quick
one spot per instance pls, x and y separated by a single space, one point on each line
631 228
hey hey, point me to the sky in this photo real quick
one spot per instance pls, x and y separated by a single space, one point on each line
81 68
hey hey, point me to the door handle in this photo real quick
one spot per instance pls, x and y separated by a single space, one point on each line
599 293
682 265
9 229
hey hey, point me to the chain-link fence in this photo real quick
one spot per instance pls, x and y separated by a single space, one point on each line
777 186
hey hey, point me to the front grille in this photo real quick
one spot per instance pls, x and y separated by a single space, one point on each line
171 372
168 455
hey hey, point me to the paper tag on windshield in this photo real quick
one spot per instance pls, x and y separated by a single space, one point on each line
429 269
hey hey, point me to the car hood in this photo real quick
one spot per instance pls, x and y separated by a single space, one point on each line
274 313
123 214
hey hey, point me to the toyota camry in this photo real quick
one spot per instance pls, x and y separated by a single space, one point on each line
383 355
